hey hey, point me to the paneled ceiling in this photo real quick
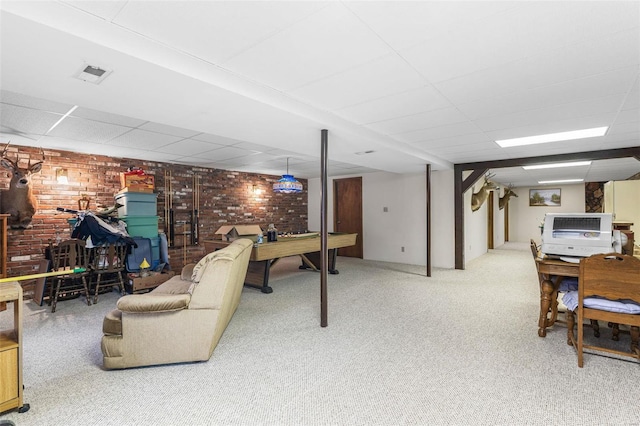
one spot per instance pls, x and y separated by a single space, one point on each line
245 85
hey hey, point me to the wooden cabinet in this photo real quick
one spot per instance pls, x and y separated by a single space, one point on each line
11 351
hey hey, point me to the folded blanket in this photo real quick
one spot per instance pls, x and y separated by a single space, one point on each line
623 306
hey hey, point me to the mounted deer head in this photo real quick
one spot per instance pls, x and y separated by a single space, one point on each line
18 200
478 198
508 193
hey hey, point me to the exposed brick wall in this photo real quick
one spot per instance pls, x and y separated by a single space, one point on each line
594 197
226 197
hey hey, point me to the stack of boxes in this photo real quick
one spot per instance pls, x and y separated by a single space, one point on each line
139 212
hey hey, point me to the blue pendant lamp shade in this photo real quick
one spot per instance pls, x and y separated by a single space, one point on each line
287 184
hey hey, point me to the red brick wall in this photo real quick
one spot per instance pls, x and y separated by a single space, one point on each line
226 197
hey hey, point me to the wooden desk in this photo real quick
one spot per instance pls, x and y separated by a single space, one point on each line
265 255
547 268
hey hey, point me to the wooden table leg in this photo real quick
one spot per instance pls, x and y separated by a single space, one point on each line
571 322
546 293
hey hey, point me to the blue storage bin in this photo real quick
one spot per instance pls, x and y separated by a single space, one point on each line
137 204
155 252
138 254
142 226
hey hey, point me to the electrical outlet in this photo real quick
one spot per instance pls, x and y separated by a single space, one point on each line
385 209
402 249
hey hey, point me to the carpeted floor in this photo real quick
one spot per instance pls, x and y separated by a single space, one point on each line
459 348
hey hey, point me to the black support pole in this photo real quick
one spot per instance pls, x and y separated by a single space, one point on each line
323 230
428 218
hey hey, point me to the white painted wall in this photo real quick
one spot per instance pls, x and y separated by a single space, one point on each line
403 225
524 220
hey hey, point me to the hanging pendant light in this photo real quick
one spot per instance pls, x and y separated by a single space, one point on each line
287 184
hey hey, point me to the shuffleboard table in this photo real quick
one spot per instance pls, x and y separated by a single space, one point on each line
307 246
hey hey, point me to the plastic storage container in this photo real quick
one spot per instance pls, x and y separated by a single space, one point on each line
148 248
138 254
137 204
142 226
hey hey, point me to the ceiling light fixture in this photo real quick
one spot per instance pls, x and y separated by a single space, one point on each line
560 181
287 184
553 137
554 165
61 118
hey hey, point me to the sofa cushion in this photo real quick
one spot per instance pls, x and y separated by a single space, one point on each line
175 285
112 323
151 302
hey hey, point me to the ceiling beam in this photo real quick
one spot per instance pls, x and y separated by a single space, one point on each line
575 156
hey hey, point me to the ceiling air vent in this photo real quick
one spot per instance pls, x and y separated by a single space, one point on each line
92 74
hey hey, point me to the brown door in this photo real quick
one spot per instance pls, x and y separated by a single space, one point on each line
490 221
347 212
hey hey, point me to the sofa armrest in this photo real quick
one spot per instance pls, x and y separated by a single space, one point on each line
187 271
140 303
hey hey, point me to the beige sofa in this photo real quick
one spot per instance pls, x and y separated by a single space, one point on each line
183 319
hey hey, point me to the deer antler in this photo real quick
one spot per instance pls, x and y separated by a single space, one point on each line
4 150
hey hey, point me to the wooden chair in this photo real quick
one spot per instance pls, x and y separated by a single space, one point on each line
554 297
110 260
616 278
67 256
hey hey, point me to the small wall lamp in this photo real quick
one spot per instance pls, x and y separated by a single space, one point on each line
62 176
255 190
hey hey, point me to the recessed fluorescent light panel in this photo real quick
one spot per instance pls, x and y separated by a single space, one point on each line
554 137
554 165
561 181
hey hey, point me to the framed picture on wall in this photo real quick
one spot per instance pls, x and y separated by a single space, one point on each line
544 197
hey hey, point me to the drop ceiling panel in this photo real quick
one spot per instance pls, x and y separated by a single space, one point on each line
222 154
105 117
409 102
439 132
18 99
107 10
325 43
424 120
582 89
81 130
384 76
403 24
143 139
461 140
603 106
532 27
213 30
188 147
20 119
616 51
169 130
215 139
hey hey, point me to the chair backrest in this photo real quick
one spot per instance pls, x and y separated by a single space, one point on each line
69 254
613 276
109 257
534 248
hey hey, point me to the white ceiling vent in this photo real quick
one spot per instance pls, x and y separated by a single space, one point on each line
92 74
